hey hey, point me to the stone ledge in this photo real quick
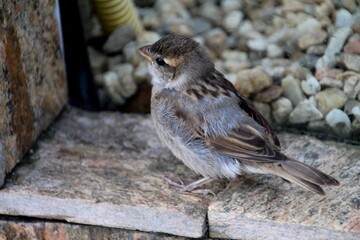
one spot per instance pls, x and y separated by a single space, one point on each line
266 207
50 230
106 169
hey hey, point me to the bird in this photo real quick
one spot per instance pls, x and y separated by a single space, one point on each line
207 124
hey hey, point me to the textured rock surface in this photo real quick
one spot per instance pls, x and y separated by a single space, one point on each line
50 230
268 208
32 80
105 169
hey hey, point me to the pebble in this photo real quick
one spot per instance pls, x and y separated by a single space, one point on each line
352 62
356 112
235 66
269 94
231 5
200 25
352 47
119 38
352 86
308 61
349 105
309 25
304 112
215 39
232 20
310 86
318 126
339 122
343 18
126 86
311 38
141 74
131 54
328 82
252 81
258 44
329 99
210 11
98 61
292 90
274 51
111 84
264 109
281 109
337 41
317 50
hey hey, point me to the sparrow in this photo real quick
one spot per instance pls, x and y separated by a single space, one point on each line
205 122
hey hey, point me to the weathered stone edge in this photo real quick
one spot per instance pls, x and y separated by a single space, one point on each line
143 218
247 228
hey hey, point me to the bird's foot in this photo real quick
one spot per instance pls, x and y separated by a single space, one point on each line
191 187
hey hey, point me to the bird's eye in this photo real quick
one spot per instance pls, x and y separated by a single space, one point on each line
160 61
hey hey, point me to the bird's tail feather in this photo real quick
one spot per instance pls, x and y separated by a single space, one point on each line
301 174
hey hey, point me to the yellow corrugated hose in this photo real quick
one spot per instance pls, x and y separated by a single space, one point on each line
114 13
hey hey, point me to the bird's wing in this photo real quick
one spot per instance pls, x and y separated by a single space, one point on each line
252 140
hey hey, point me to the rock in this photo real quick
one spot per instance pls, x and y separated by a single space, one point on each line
147 37
127 85
200 25
235 215
119 38
281 109
234 55
141 74
339 122
317 50
305 112
210 11
264 109
352 62
234 66
318 126
112 149
215 39
252 81
327 72
33 84
258 44
232 20
309 25
352 47
352 86
330 99
131 54
356 24
328 82
231 77
349 105
150 18
292 90
311 38
343 18
274 51
111 84
337 41
356 112
310 86
269 94
98 61
231 5
308 61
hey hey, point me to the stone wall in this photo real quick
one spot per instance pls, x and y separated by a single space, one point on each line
32 80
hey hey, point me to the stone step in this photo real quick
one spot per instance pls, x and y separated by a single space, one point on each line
107 169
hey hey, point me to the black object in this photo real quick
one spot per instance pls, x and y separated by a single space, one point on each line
81 87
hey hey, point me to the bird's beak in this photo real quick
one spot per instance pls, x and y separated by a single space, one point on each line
145 51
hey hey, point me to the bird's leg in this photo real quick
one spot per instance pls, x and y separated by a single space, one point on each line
191 187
